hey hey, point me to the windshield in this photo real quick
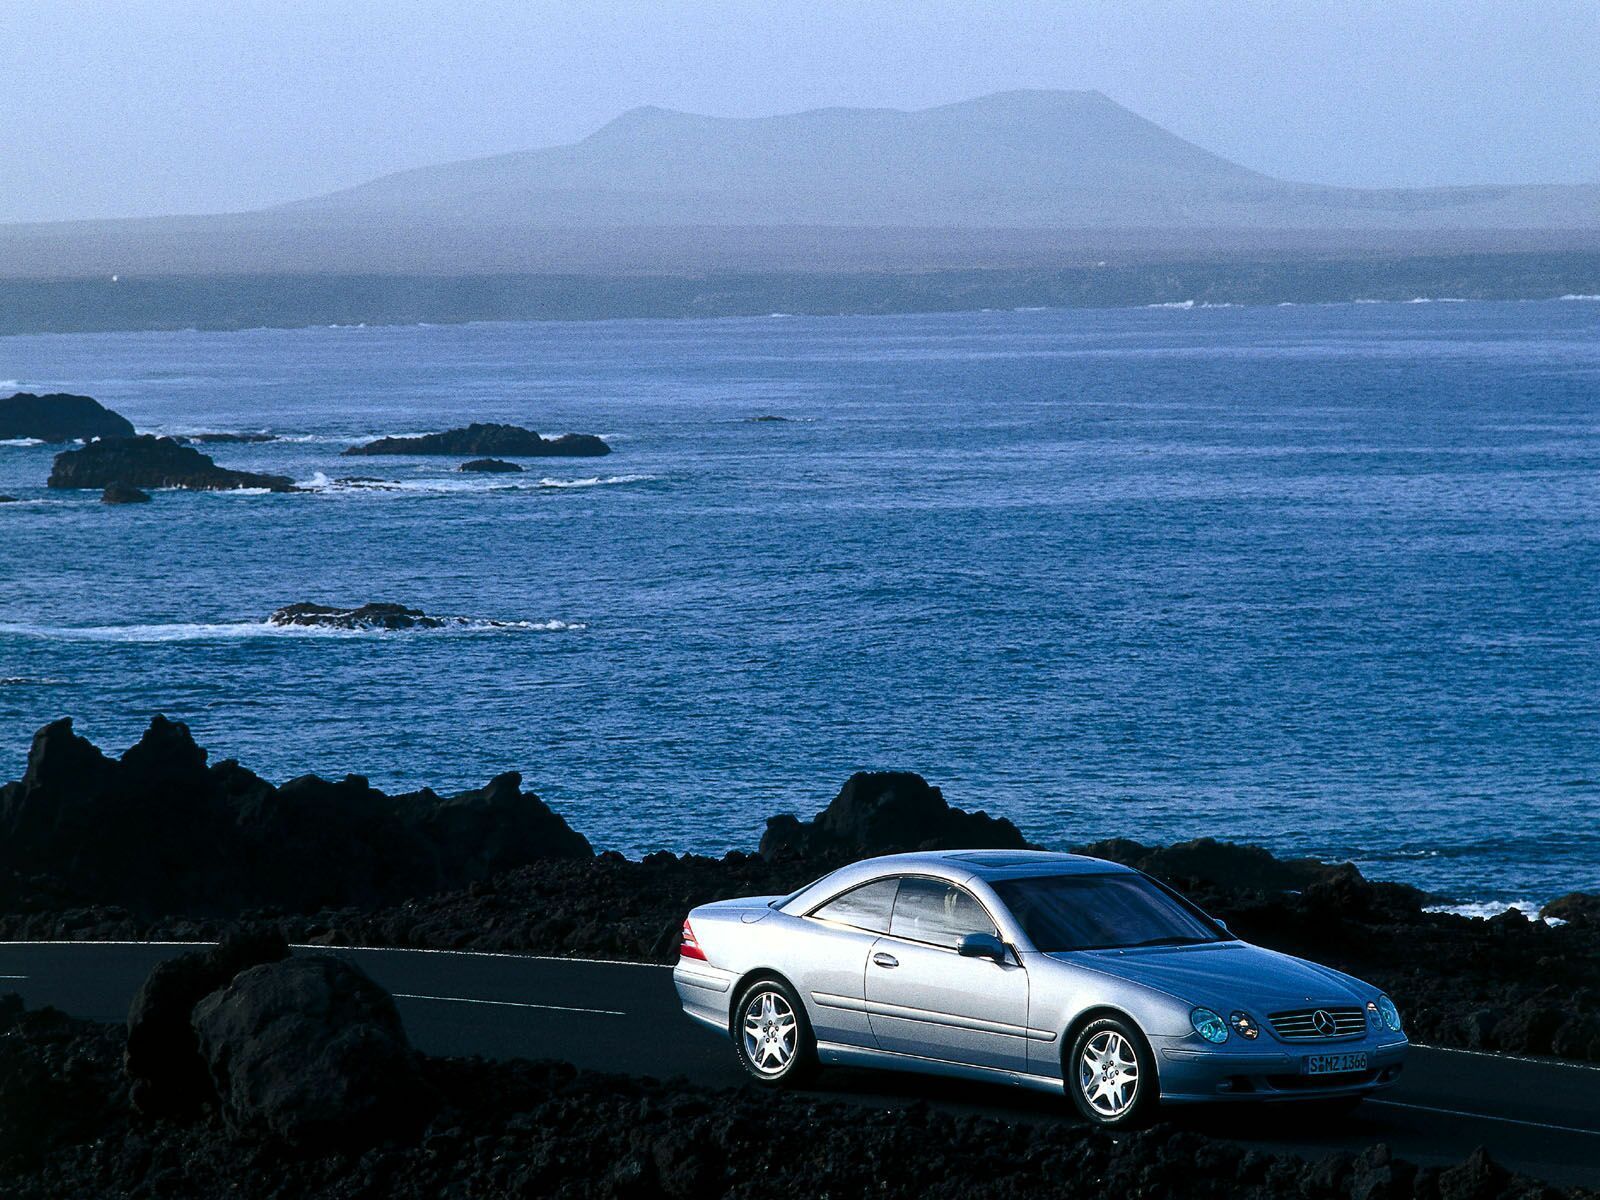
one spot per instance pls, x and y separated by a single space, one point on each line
1104 912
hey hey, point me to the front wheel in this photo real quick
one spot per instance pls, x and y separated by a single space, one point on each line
1111 1074
771 1035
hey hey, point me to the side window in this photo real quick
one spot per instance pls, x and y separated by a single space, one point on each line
866 907
929 910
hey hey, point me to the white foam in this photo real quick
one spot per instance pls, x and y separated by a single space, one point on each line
1484 909
242 630
595 481
1173 304
1579 296
21 441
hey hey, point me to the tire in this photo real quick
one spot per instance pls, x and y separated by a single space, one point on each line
1110 1075
771 1035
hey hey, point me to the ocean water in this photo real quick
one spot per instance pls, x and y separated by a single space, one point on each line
1323 578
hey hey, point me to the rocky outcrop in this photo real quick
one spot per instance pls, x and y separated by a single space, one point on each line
151 462
882 812
1574 906
367 616
60 417
487 440
491 466
311 1051
8 500
121 493
161 831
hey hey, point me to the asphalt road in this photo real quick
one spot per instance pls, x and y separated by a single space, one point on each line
1539 1117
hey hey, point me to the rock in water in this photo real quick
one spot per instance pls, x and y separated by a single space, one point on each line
220 438
311 1050
60 417
1574 906
368 616
483 440
8 500
493 466
882 812
121 493
151 462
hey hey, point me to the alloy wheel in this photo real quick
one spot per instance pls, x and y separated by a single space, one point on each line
770 1033
1108 1074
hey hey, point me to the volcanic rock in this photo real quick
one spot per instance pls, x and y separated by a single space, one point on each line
160 831
1574 906
766 418
311 1050
151 462
60 417
367 616
8 500
883 812
121 493
493 466
485 440
162 1061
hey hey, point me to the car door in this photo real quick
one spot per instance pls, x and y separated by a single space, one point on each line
924 998
832 961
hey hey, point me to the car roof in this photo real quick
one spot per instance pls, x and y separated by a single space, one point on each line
958 866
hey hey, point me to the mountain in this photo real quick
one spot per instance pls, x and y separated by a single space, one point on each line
1024 159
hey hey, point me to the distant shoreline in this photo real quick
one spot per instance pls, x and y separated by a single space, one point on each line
130 303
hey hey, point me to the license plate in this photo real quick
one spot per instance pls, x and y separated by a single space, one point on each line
1335 1064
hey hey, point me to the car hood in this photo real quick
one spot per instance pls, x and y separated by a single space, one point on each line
1225 974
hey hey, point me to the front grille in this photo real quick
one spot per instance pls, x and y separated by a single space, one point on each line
1304 1025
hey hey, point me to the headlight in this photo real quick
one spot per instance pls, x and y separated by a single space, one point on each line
1208 1025
1389 1013
1243 1025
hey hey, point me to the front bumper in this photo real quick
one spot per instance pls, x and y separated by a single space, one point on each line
1193 1073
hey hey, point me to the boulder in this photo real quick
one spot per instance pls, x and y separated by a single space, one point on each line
1574 906
8 500
311 1051
121 493
162 1062
60 417
766 418
484 440
153 462
367 616
884 812
491 466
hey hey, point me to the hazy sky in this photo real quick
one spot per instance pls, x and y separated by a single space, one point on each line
135 107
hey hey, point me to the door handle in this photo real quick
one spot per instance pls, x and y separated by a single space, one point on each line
885 960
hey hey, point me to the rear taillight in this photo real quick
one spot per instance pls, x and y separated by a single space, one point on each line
689 947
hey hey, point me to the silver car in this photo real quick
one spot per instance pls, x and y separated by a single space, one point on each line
1048 971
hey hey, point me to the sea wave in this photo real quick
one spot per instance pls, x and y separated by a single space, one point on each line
595 481
1484 909
1579 296
231 631
470 483
21 441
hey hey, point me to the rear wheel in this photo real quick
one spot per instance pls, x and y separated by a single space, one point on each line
1111 1074
771 1035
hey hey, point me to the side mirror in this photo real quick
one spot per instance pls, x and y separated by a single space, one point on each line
1223 925
982 945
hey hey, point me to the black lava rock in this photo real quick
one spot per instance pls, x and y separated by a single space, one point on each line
883 812
367 616
162 1062
151 462
121 493
310 1050
226 438
60 417
484 440
491 466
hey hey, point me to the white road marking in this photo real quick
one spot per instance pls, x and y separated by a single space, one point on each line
1525 1058
1456 1112
608 962
605 1012
13 976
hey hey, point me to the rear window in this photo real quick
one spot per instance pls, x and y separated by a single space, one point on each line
866 907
